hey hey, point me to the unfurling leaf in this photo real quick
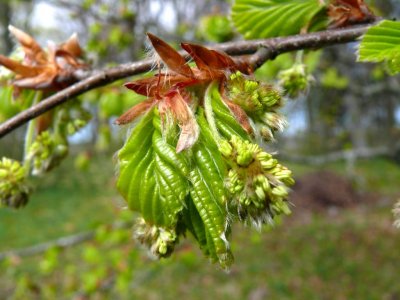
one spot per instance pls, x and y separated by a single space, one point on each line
271 18
381 43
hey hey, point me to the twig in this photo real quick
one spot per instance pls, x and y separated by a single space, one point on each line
336 156
63 242
273 47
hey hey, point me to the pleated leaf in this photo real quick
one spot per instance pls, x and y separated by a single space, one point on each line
381 43
271 18
134 159
208 194
152 176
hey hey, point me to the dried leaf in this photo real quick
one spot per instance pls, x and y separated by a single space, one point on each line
343 13
186 121
170 56
50 70
134 112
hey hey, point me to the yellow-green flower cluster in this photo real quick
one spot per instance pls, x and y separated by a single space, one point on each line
260 101
258 184
13 187
160 241
396 213
45 153
295 80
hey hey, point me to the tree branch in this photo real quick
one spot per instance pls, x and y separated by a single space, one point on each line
268 49
61 243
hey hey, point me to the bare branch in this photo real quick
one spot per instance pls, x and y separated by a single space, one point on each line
63 242
348 155
272 48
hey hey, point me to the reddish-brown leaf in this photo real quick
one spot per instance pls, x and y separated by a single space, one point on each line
209 60
174 61
159 84
343 13
31 48
51 70
135 111
72 46
186 121
240 115
17 67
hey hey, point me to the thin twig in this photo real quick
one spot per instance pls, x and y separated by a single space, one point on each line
63 242
318 160
273 47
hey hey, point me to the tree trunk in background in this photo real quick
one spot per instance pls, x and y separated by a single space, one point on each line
5 18
357 132
390 107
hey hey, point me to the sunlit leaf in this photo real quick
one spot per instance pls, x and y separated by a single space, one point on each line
270 18
381 43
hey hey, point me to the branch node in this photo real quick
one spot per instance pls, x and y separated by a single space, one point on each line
263 54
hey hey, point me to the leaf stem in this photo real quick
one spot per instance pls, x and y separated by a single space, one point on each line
29 135
299 57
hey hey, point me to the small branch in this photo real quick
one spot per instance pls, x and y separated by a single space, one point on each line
263 50
348 155
63 242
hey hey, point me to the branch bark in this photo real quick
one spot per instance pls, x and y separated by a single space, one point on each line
261 51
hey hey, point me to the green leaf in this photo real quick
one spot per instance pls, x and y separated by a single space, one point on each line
173 186
381 43
271 18
216 28
195 225
226 123
133 159
152 176
208 194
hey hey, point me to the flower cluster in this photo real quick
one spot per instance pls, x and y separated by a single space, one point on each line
258 184
13 187
159 240
295 80
46 153
260 101
396 213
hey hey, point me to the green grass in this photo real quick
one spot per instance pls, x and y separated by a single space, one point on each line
353 254
63 202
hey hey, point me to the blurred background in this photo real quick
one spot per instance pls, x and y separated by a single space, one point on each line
73 240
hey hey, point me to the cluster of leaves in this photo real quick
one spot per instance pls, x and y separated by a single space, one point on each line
191 164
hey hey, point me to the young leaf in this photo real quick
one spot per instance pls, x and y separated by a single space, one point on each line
152 175
270 18
382 43
170 56
208 194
